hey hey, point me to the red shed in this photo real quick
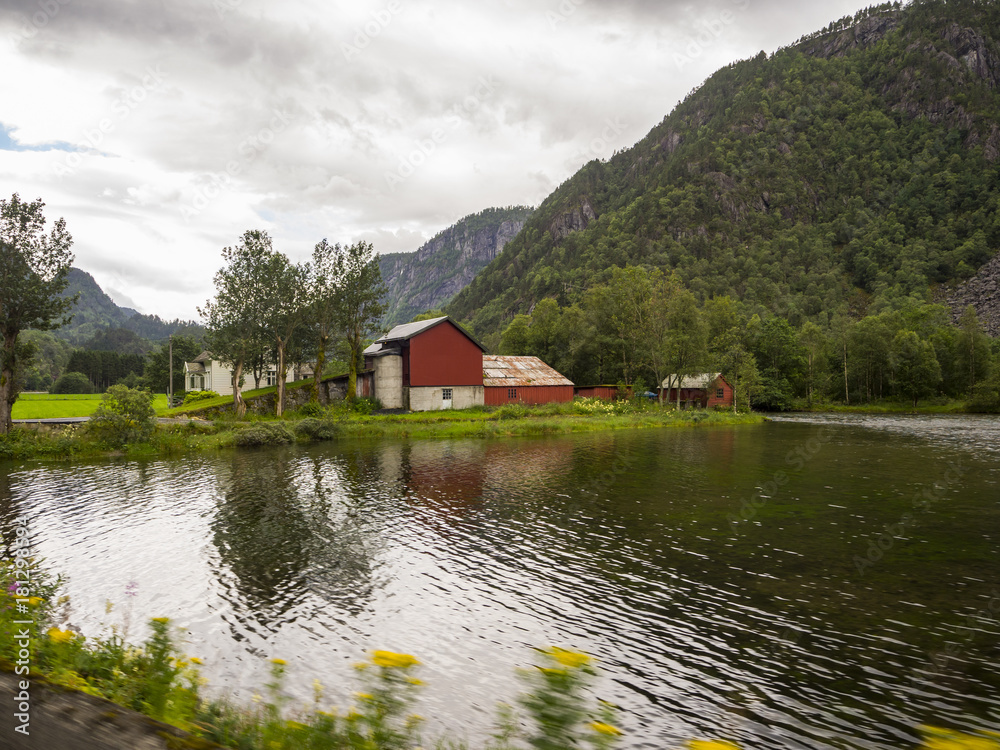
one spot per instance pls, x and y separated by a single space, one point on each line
522 380
607 392
705 389
427 365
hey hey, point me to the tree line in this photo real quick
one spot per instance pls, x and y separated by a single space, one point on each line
644 327
268 310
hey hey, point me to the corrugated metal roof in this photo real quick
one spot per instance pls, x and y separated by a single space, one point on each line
409 330
511 372
699 380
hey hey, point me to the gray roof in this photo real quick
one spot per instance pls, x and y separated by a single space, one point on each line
701 380
409 330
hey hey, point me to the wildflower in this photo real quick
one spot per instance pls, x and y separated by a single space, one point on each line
196 660
279 662
34 601
162 620
415 681
256 698
392 659
603 728
572 659
60 636
365 696
711 745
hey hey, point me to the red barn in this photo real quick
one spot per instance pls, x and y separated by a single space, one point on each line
426 366
522 380
607 392
705 390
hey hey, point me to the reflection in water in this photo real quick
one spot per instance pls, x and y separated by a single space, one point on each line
468 553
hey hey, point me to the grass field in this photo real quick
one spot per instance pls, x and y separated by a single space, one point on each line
50 405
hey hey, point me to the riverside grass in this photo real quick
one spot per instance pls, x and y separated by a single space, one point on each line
155 679
341 422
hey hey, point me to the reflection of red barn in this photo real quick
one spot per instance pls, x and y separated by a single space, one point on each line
706 389
522 380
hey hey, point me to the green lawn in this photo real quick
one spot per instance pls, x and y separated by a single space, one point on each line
49 405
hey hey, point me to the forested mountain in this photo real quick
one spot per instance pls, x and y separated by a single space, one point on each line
431 276
95 312
841 176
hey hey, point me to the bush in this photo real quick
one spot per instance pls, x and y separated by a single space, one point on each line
125 415
311 409
511 411
72 382
366 405
192 396
317 429
264 433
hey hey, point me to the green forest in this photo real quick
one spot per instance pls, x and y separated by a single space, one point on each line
845 183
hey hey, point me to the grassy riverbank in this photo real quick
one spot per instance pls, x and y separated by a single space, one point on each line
312 424
55 405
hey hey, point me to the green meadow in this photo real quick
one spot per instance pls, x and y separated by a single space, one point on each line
51 405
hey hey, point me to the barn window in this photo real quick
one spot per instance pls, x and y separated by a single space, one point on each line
720 392
446 394
512 393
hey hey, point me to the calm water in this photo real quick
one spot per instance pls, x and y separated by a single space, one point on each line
771 626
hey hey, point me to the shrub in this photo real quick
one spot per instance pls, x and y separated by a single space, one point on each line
264 433
311 409
125 415
192 396
317 429
511 411
366 405
72 382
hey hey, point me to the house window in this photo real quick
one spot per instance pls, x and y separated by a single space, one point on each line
446 394
720 392
512 393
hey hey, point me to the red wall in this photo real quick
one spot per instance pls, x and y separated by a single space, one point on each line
444 356
726 400
528 394
707 398
609 392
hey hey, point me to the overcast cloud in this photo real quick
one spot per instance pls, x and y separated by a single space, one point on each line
162 131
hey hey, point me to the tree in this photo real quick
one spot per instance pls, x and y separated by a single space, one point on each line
361 308
72 382
33 269
811 339
972 350
514 340
323 285
233 317
125 415
283 309
916 370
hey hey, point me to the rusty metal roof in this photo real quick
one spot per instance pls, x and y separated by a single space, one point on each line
511 372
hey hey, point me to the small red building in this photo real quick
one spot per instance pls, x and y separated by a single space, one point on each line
704 390
522 380
607 392
426 366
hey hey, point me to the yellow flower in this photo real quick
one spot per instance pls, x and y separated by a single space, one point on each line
571 659
196 660
552 671
936 738
365 696
414 681
603 728
163 620
279 662
34 601
711 745
256 698
392 659
60 636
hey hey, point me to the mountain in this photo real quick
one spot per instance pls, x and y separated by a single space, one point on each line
95 313
431 276
852 170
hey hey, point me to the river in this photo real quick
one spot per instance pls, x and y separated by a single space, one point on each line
815 581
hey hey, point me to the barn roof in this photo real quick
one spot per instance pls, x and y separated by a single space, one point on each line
701 380
407 331
511 372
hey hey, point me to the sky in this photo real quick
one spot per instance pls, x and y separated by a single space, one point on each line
161 130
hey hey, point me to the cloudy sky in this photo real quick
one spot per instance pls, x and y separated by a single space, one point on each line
163 129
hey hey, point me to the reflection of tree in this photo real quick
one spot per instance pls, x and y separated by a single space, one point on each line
287 536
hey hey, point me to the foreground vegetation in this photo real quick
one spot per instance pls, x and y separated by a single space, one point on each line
555 710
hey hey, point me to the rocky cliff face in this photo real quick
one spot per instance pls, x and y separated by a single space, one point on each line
982 291
428 278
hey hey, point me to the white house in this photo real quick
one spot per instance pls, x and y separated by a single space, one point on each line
208 374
